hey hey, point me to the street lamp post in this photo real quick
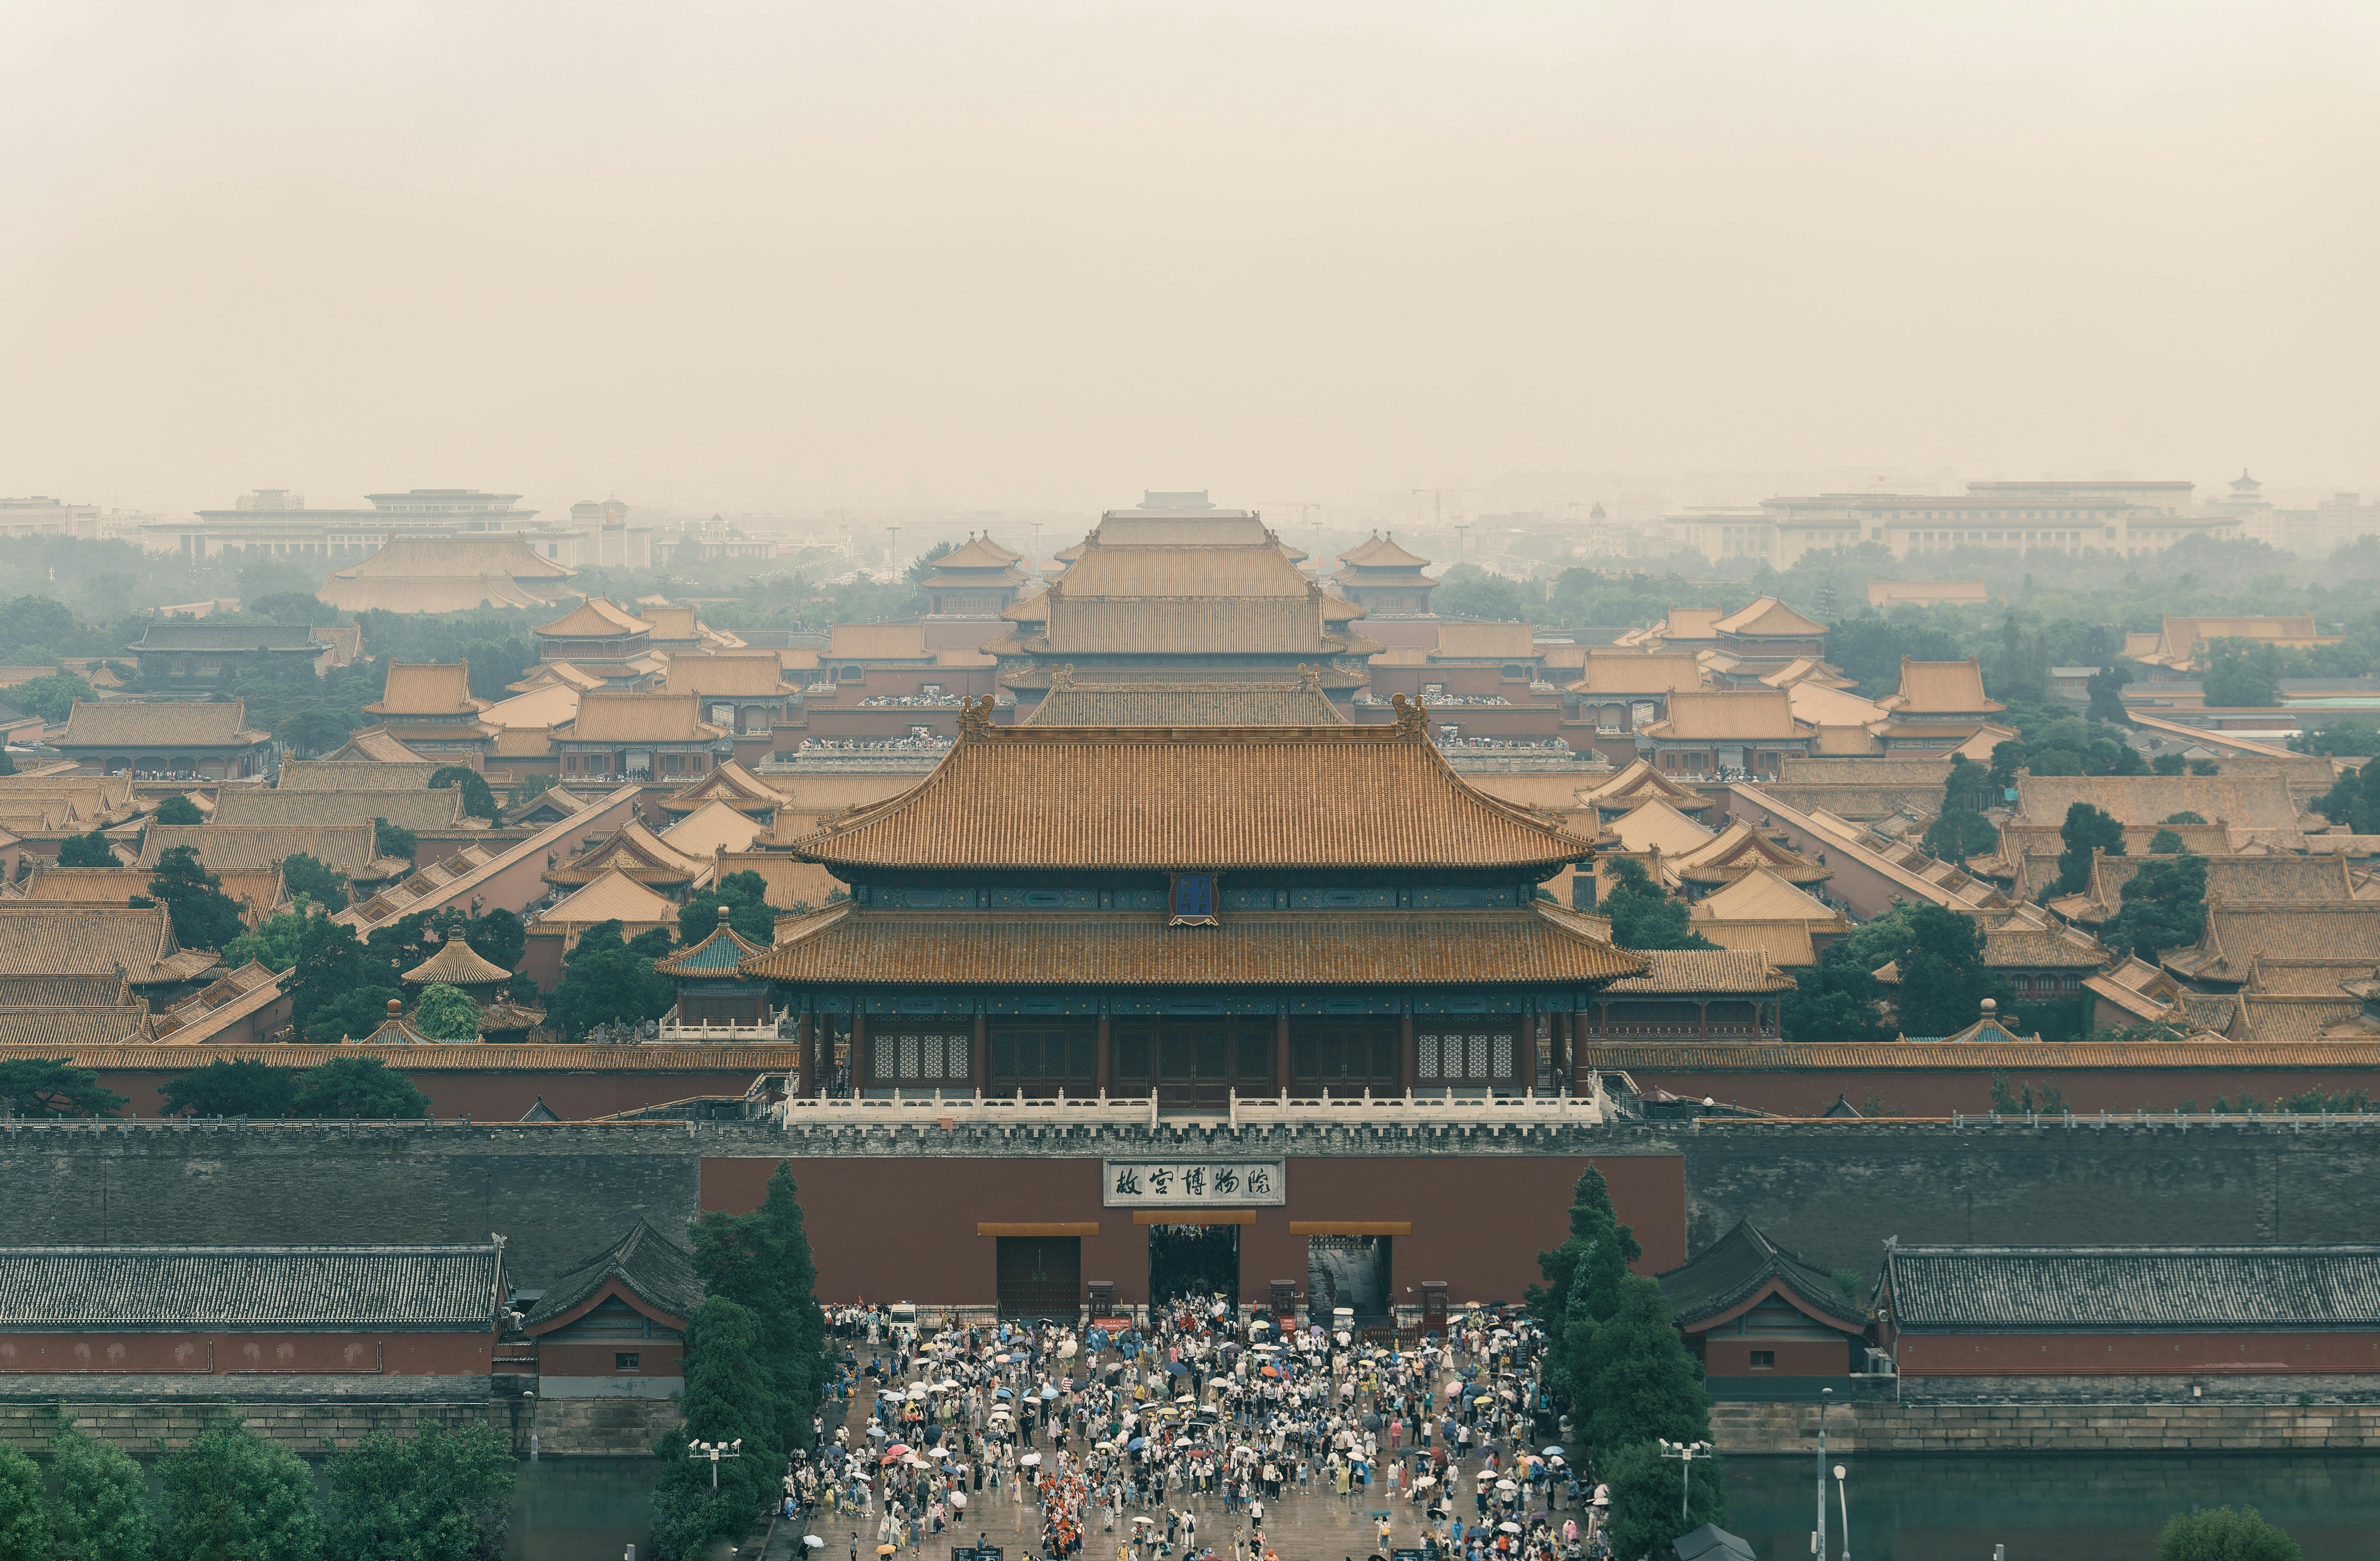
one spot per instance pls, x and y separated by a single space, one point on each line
1685 1453
1825 1396
1844 1501
714 1451
531 1396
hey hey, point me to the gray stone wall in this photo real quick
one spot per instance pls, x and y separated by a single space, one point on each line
560 1192
311 1429
1835 1192
1876 1429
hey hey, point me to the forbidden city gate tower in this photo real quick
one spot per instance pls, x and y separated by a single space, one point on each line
1204 914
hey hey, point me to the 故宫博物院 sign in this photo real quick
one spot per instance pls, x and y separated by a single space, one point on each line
1190 1185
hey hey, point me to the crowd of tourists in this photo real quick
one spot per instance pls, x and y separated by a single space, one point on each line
1189 1439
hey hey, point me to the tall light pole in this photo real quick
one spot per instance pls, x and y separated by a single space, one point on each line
714 1451
1825 1396
531 1396
1845 1502
1685 1453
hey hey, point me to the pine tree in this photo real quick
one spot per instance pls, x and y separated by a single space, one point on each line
1640 1381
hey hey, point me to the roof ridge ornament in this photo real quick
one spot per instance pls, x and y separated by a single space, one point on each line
975 717
1310 677
1062 678
1413 718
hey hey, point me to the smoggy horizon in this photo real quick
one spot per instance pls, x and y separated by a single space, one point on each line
1044 256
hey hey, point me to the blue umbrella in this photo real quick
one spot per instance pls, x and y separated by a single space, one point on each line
1135 1444
1001 1393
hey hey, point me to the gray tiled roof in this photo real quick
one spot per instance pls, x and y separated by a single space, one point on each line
1734 1268
226 638
1937 1288
300 1288
659 1270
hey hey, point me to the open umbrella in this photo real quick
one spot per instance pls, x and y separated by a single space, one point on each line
1001 1393
1553 1452
1505 1486
1515 1528
886 1549
811 1542
1134 1446
1029 1459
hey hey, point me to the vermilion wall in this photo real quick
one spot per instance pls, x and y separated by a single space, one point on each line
1731 1356
904 1230
2136 1354
655 1357
226 1354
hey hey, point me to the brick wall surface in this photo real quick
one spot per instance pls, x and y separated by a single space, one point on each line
1998 1428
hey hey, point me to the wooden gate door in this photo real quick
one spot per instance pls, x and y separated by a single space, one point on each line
1040 1276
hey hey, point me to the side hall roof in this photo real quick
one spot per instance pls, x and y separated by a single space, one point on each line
134 1289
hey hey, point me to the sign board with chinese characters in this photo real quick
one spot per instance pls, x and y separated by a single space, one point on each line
1192 1184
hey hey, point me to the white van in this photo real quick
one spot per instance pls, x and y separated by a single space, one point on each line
903 1317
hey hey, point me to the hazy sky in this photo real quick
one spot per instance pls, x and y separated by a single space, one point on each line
791 254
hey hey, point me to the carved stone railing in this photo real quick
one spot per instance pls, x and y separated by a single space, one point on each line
1421 1108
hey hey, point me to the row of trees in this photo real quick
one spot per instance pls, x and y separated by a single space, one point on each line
756 1371
344 1086
229 1492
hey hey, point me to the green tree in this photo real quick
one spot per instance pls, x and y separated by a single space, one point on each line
1641 1383
86 850
1943 978
357 1087
54 1087
229 1088
2169 764
24 1525
229 1495
726 1399
743 898
2354 799
2204 767
2085 828
447 1013
204 916
606 981
394 839
441 1495
2165 842
1958 834
1968 785
99 1500
762 1260
1644 917
479 801
2105 688
52 697
317 881
2225 1534
178 809
1645 1490
337 990
2346 736
2184 817
498 936
274 944
2163 907
1836 1000
2241 673
1582 1282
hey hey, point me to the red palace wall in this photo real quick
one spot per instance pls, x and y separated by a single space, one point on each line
229 1354
904 1230
1731 1356
2137 1354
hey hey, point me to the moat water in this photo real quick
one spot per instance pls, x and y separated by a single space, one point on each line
2062 1508
2072 1507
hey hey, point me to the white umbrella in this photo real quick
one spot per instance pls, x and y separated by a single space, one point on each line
1029 1459
1510 1528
